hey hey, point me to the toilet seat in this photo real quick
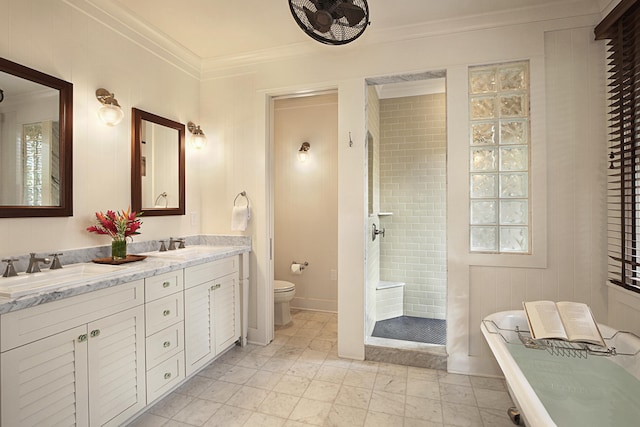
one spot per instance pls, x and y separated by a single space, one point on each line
283 286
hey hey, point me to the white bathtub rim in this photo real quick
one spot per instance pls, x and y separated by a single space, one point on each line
525 398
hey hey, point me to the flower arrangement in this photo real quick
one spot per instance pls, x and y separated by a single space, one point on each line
119 226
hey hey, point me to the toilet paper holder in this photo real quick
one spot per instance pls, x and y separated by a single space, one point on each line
302 264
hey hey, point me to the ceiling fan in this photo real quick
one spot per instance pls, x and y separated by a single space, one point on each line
333 22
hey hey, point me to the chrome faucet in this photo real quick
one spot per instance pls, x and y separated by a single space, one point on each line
34 263
10 271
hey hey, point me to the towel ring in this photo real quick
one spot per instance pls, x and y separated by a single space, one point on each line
243 194
162 195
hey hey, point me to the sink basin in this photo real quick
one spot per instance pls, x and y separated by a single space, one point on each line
72 274
190 252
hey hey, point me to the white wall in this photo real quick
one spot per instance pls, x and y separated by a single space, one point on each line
580 104
58 39
574 167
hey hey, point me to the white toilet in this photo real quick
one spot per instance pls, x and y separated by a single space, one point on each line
283 293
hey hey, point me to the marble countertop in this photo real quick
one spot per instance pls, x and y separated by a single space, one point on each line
153 265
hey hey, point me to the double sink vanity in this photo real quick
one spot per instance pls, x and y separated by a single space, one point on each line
93 344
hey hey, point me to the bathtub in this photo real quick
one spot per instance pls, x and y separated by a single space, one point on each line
566 389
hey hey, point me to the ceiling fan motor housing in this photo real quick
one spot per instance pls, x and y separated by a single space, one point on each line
332 22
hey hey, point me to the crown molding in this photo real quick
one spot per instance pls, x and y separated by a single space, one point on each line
217 66
144 35
508 18
150 38
258 57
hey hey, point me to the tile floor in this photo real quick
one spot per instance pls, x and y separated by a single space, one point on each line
298 380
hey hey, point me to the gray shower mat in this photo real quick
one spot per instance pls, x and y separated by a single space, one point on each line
408 328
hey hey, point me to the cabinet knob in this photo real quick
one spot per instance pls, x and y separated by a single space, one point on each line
166 313
94 333
166 344
167 375
82 338
166 284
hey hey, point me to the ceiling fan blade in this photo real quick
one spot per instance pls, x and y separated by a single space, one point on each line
320 20
353 13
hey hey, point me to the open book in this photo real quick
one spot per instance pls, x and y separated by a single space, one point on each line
569 321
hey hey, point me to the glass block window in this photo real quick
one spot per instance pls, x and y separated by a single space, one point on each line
499 158
32 163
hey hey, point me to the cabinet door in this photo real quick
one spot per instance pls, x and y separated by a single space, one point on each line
199 344
116 360
226 312
44 383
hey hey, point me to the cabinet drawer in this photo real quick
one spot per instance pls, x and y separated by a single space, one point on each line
162 285
164 312
164 376
24 326
210 271
164 344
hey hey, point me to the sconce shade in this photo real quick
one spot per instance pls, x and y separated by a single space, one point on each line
198 138
110 115
110 112
303 152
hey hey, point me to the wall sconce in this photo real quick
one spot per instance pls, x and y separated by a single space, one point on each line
110 113
198 138
303 152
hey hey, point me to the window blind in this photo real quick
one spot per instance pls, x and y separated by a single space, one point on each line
621 30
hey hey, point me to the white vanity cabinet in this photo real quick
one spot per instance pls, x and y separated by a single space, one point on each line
76 361
99 358
164 311
212 310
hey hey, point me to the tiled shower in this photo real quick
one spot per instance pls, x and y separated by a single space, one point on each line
413 188
407 191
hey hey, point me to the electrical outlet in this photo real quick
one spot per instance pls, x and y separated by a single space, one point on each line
334 274
194 218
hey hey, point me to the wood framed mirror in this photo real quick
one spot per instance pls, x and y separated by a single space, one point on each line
157 165
36 143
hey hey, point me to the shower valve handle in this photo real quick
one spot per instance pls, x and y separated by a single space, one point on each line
376 231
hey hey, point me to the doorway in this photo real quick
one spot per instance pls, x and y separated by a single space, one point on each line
305 198
406 247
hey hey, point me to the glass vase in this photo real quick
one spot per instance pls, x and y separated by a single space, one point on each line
118 249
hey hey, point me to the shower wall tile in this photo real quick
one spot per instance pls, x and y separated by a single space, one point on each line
413 187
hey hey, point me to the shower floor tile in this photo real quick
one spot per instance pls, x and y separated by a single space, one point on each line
408 328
